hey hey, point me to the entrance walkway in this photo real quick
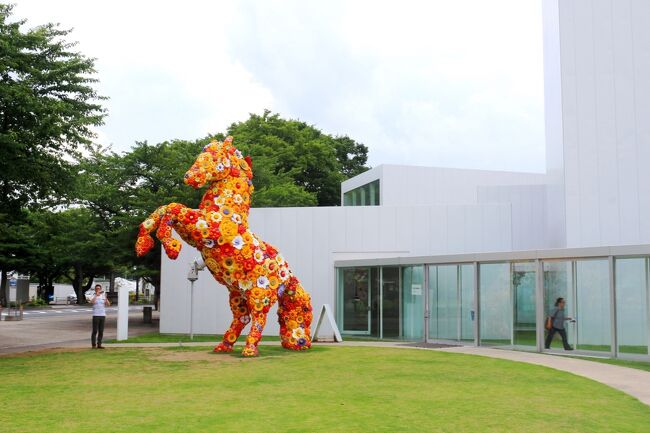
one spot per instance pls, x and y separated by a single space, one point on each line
629 380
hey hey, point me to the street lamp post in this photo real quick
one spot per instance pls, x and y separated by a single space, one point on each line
193 275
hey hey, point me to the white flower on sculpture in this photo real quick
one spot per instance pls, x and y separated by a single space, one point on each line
238 154
201 224
258 255
298 333
237 199
220 167
262 281
227 192
245 286
238 242
236 218
280 259
208 243
226 162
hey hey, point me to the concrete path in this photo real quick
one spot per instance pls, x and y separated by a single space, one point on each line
629 380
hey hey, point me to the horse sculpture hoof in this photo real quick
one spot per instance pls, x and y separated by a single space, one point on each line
250 351
222 348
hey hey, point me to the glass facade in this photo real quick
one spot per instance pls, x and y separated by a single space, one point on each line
365 195
606 303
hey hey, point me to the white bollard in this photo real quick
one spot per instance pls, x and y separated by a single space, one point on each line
123 313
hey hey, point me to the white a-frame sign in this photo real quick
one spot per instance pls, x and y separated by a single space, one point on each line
327 311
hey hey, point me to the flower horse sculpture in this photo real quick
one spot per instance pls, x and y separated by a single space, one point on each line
255 274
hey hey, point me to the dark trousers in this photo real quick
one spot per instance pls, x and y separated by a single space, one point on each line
551 333
98 330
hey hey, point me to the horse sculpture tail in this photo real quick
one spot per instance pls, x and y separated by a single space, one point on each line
295 315
161 220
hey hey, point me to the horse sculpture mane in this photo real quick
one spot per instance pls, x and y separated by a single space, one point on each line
256 275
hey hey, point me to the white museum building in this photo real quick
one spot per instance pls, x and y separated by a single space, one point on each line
479 257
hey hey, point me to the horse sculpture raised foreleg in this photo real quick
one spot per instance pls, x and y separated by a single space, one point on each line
162 221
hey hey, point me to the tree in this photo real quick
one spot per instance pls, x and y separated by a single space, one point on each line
286 150
48 106
123 190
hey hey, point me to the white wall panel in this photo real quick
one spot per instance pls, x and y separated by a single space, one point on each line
640 19
605 92
312 238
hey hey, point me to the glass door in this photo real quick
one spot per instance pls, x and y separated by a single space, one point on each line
559 282
632 305
443 302
355 298
523 286
390 303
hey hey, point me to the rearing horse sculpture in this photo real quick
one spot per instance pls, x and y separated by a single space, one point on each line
255 274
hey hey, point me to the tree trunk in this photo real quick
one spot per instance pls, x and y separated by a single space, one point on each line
111 287
85 288
77 283
4 298
137 287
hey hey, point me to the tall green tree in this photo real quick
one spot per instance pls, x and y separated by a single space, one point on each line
48 106
290 151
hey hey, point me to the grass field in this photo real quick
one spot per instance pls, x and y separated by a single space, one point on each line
327 389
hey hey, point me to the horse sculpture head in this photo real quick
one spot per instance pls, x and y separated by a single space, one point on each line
218 161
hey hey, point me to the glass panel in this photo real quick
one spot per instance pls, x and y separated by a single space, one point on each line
631 306
372 186
433 296
390 302
355 300
523 286
593 315
377 193
467 309
447 302
558 283
496 312
347 199
374 302
412 302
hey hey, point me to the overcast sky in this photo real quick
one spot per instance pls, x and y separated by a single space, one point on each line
438 83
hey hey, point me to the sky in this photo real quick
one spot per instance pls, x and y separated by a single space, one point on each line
434 83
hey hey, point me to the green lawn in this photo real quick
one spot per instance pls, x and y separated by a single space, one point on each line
327 389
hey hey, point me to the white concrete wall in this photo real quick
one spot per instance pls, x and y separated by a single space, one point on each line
311 239
529 214
605 124
411 185
555 204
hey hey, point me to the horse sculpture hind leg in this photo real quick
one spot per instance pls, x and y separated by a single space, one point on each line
241 317
295 316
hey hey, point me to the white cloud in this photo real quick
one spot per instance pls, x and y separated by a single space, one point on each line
429 83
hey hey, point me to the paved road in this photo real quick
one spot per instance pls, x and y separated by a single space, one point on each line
68 328
33 313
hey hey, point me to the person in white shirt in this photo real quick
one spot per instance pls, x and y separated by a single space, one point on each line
99 302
